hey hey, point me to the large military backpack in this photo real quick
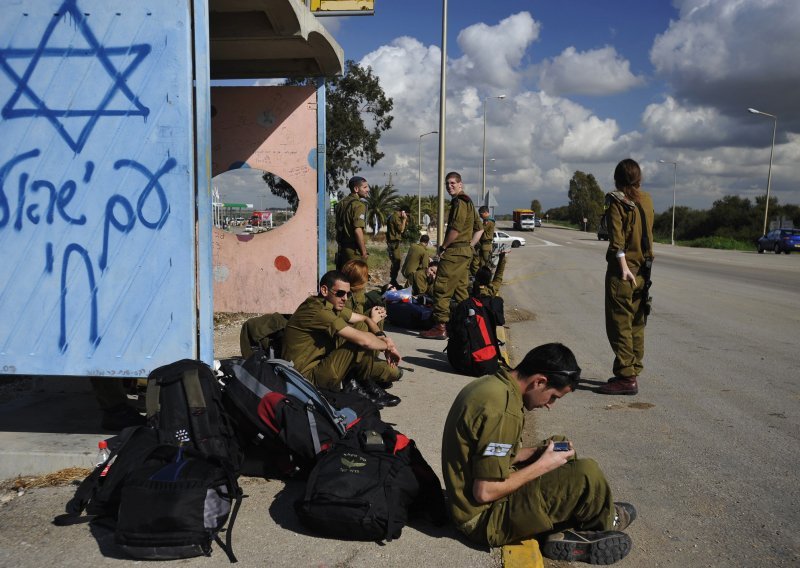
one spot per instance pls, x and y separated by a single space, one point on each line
184 404
472 345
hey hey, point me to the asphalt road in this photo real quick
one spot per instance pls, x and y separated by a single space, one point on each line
708 451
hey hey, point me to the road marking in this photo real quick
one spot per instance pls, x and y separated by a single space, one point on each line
546 244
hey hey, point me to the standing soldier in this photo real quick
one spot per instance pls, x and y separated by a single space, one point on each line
629 259
351 216
455 254
484 248
395 228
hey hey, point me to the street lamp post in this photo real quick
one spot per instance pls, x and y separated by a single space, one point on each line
771 152
674 185
483 160
419 176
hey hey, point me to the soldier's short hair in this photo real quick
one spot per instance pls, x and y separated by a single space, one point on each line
332 277
553 360
355 182
425 239
483 209
454 175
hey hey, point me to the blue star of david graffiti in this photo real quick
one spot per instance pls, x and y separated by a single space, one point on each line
69 9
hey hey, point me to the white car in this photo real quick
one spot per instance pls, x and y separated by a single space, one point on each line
501 238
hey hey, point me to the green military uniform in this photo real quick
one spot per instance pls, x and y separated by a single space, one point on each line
415 268
381 371
625 318
493 288
394 235
351 214
452 277
318 353
484 247
482 435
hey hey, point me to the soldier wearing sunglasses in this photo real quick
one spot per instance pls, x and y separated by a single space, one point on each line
326 341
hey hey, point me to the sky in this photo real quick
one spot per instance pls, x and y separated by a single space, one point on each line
587 84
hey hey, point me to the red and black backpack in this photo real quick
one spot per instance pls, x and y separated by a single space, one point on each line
472 345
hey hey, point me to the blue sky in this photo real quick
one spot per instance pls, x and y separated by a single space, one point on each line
588 83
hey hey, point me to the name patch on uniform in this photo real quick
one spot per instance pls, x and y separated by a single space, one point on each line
497 449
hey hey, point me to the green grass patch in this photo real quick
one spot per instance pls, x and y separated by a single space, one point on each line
723 243
378 260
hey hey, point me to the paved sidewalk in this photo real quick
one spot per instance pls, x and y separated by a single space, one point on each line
47 431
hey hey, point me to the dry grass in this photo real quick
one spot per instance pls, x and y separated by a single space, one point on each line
60 478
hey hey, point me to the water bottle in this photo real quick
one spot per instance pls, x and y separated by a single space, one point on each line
102 452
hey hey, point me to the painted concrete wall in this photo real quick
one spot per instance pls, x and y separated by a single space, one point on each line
97 213
272 129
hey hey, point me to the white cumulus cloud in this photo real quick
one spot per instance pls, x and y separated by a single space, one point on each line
595 72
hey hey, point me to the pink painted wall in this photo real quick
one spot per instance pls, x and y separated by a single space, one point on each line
272 129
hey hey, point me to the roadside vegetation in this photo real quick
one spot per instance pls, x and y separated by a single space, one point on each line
733 222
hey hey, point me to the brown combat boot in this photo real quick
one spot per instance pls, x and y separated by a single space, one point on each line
438 331
620 385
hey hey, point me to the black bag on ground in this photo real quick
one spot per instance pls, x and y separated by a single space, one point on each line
472 345
175 503
162 501
367 489
281 414
184 403
410 315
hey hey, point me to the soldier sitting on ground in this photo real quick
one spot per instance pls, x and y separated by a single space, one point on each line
417 258
327 342
500 492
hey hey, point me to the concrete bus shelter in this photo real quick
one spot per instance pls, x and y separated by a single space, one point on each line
112 134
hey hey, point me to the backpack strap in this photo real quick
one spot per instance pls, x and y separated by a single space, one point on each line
236 496
645 239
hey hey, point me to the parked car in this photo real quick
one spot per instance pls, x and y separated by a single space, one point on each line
537 222
780 241
504 238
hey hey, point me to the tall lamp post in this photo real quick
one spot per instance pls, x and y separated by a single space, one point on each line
483 161
674 184
771 152
419 176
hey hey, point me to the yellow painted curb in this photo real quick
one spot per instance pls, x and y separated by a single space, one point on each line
523 555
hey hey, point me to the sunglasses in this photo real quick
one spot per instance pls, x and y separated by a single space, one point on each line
342 293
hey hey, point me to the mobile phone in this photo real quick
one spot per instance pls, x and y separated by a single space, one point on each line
560 446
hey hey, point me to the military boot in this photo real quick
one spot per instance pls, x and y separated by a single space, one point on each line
620 385
438 331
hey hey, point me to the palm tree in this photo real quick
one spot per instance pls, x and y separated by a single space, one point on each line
430 205
380 203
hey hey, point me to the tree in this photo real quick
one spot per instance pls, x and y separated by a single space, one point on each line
381 202
536 206
357 112
281 188
585 199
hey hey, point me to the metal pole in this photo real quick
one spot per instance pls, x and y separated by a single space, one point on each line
483 160
769 174
419 178
771 152
674 186
442 130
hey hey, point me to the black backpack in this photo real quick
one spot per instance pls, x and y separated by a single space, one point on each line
175 504
472 345
184 404
283 420
368 487
163 501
